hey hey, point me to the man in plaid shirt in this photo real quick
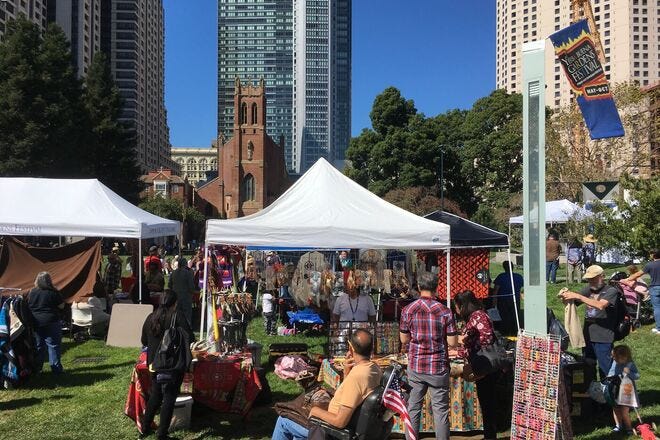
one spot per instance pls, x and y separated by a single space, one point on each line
427 330
112 272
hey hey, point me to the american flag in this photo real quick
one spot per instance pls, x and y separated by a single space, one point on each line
392 399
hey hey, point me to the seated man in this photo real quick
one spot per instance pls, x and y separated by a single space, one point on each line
95 317
361 377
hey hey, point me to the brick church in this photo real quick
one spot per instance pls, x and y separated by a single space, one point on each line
251 166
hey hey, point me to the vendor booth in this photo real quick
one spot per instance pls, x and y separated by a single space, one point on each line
327 212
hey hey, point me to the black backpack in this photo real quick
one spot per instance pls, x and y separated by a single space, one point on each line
173 354
623 318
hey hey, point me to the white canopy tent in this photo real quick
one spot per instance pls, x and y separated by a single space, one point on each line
557 211
75 207
326 210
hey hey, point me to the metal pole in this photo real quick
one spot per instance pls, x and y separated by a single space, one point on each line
204 295
442 178
140 264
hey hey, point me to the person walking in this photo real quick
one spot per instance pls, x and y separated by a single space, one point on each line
164 386
46 305
504 294
182 282
574 261
589 250
427 330
478 332
552 251
653 269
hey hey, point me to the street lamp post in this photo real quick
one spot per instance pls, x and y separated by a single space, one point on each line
442 183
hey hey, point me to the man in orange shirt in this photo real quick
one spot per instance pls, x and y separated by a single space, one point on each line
361 377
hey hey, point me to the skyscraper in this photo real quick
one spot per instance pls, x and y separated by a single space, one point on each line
302 49
81 22
134 35
34 10
628 31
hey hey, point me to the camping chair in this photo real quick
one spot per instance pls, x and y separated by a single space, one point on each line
367 421
82 319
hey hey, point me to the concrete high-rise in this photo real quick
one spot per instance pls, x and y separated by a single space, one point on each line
629 33
33 10
81 22
134 38
302 49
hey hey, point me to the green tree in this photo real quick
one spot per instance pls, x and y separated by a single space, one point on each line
173 209
421 200
112 145
390 110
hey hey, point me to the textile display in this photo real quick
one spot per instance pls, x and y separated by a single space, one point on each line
306 282
73 267
138 390
535 390
576 51
468 271
387 338
328 375
464 409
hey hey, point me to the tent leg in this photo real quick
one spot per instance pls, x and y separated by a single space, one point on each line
204 295
139 265
448 251
515 303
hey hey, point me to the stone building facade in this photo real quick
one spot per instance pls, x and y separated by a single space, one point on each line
252 171
194 163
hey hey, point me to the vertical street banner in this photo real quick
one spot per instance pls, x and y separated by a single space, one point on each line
577 53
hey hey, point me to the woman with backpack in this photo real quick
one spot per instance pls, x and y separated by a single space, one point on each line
165 382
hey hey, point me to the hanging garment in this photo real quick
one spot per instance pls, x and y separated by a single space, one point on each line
573 326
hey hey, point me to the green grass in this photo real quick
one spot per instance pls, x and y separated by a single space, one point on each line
88 401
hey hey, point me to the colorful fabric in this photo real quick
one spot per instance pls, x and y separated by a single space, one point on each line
468 271
328 375
478 332
428 322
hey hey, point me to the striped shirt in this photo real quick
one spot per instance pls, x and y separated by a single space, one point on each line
428 322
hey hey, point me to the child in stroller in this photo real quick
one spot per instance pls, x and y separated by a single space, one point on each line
637 297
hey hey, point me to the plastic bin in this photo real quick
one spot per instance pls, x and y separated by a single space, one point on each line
182 413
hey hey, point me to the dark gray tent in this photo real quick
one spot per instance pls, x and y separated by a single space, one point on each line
464 233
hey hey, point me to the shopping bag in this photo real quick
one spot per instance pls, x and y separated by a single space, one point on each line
627 394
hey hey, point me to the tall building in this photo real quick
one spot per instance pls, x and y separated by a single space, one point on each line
134 36
255 40
302 50
322 88
81 22
34 10
629 33
196 164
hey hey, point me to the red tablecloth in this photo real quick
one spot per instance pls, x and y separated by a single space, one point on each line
228 384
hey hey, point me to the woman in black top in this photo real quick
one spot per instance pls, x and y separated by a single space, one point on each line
46 305
164 387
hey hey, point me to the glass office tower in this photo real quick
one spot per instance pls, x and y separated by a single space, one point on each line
302 49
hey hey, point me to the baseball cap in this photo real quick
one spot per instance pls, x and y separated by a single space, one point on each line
592 272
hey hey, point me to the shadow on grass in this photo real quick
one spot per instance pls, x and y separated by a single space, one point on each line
19 403
68 379
89 367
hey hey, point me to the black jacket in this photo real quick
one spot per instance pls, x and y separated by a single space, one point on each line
152 341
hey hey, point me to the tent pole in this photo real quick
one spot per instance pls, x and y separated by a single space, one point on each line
513 287
448 251
139 265
204 297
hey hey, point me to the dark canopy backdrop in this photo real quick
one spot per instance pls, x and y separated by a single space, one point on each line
464 233
72 267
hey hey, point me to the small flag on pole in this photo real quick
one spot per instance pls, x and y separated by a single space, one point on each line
392 399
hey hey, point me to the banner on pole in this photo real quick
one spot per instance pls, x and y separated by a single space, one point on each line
577 53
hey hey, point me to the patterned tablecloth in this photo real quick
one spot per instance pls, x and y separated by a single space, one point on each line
224 384
464 414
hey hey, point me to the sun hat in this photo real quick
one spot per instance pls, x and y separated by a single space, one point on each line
589 238
592 272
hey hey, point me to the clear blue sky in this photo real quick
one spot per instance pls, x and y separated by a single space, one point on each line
440 53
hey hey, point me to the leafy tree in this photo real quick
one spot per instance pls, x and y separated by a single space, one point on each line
40 111
112 144
173 209
421 200
390 110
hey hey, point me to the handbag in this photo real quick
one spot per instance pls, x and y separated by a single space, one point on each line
489 359
556 328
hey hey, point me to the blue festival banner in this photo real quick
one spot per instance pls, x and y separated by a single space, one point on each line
577 53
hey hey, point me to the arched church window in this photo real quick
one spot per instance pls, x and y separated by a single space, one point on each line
254 113
249 187
243 113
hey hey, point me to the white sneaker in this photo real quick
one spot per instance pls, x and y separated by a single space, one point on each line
655 331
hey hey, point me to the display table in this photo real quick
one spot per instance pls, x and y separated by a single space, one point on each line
228 384
464 410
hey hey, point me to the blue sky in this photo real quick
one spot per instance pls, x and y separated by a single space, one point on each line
440 53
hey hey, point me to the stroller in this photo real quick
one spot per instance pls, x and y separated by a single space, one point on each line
637 300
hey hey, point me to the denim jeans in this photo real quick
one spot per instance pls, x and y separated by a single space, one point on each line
439 385
49 337
286 429
655 301
551 270
602 353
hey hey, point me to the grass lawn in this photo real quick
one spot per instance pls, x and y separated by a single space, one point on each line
88 401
